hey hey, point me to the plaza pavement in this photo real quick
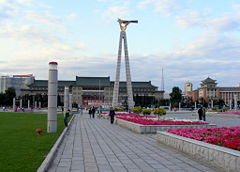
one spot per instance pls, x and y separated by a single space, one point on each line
219 121
95 145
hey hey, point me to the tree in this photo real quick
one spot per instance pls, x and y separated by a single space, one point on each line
176 96
10 93
2 99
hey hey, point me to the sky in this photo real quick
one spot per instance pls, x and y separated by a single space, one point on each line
189 39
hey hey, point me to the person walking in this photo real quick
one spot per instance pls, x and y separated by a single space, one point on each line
200 113
111 114
204 114
93 112
90 112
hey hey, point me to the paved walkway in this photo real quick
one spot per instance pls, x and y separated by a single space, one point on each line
94 145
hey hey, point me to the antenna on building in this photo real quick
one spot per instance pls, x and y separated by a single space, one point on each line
162 82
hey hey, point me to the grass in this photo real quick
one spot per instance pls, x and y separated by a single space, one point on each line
21 149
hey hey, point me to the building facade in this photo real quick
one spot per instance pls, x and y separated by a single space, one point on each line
209 90
16 81
98 91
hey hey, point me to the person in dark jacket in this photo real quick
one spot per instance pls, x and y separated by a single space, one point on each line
90 112
111 114
93 111
200 113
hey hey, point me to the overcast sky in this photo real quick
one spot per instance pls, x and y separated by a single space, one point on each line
189 39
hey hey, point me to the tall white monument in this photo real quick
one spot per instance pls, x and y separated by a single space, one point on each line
52 97
123 38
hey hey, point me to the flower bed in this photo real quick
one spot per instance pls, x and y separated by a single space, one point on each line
152 129
134 115
223 158
223 136
160 122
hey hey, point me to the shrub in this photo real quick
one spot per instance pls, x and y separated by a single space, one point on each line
137 109
119 108
214 108
146 111
224 109
159 111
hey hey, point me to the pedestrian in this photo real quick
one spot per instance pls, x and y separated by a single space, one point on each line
65 119
200 113
90 112
204 114
93 111
111 114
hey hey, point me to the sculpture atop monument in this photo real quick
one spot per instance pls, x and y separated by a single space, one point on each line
123 23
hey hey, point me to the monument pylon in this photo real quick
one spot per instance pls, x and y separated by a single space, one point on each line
123 38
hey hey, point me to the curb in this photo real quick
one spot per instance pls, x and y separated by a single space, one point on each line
47 161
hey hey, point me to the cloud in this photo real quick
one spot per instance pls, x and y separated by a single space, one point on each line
72 16
115 12
228 22
7 10
190 18
164 7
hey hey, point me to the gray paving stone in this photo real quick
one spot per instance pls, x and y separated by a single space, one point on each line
94 145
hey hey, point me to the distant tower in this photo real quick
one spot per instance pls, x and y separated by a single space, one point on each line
123 38
188 87
162 82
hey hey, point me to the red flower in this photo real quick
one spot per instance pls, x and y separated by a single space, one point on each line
39 131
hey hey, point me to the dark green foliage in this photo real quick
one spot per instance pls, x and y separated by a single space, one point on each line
176 96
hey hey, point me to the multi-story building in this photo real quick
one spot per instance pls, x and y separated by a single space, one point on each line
98 91
209 91
16 81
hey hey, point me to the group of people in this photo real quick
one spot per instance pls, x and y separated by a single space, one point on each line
91 112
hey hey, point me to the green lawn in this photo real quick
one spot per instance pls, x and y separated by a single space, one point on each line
21 149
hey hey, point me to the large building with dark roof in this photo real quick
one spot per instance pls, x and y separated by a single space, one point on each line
98 91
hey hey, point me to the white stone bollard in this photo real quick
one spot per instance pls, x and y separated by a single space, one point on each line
14 104
70 102
20 103
52 97
66 100
28 104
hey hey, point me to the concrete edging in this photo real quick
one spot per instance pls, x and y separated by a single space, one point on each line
152 129
47 161
217 156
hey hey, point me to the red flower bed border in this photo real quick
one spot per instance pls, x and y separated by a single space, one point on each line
222 136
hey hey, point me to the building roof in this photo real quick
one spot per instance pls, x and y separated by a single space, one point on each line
93 81
208 80
135 84
44 83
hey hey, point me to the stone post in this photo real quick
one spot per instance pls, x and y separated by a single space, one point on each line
230 104
66 100
20 103
70 102
52 97
35 104
235 101
195 105
28 104
211 103
179 106
14 104
39 105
